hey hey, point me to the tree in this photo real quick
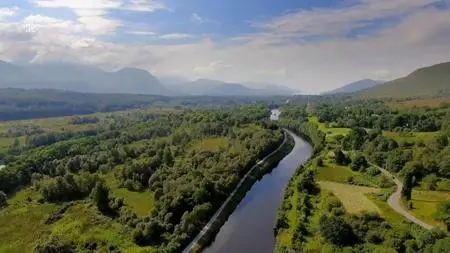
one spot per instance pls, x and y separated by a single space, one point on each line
306 183
319 162
3 200
340 158
335 230
100 196
407 186
359 163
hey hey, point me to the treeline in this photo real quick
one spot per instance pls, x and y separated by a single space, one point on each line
296 119
17 104
376 115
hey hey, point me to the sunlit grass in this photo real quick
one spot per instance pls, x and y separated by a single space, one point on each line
140 203
425 205
22 222
331 132
352 197
412 137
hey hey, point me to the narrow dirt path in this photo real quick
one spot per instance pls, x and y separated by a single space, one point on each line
395 198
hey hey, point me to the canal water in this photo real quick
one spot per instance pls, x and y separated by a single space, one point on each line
250 228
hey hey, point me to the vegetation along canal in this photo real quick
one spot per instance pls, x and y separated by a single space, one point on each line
250 227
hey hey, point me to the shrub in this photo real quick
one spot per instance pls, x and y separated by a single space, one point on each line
335 230
3 200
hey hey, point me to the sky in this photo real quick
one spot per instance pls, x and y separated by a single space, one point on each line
309 45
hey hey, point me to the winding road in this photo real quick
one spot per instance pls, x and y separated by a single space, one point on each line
395 200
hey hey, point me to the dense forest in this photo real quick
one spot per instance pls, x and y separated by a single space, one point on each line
189 161
18 104
351 141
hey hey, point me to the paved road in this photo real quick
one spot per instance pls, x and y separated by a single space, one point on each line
395 198
205 229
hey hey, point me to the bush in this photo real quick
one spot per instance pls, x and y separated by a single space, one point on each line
100 196
319 162
360 163
335 230
3 200
54 245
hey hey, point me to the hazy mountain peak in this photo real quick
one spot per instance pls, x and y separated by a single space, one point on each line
357 86
80 78
430 81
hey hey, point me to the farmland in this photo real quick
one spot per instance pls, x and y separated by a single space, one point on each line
353 197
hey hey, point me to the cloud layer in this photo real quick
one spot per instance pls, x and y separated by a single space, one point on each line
312 50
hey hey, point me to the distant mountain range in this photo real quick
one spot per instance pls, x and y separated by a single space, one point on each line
80 78
90 79
433 81
356 86
207 87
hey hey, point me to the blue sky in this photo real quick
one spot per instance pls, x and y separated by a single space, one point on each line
289 42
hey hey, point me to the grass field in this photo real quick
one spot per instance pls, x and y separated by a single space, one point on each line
425 204
341 174
353 197
415 136
22 223
331 132
6 143
387 212
140 203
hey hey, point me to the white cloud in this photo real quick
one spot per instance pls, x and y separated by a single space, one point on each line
175 36
99 25
93 14
196 18
143 33
212 67
145 5
420 38
327 21
8 12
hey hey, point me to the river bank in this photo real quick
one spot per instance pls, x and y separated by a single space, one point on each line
250 226
207 235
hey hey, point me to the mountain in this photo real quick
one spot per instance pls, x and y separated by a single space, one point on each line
433 81
231 89
219 88
356 86
80 78
272 89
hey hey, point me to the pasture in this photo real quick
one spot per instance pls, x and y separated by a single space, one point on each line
140 203
412 136
352 197
425 205
331 132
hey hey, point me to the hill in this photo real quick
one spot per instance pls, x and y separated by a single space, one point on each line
209 87
231 89
79 78
356 86
433 81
